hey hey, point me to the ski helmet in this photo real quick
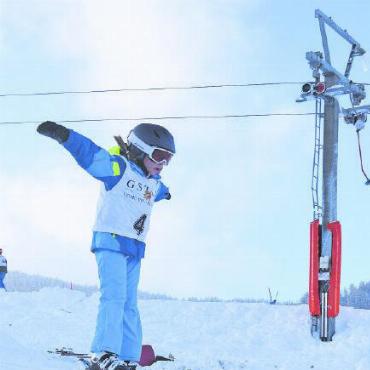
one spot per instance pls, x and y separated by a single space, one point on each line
152 140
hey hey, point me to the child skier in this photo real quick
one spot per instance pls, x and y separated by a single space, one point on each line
130 186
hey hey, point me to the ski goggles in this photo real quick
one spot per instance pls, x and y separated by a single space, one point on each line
156 154
160 156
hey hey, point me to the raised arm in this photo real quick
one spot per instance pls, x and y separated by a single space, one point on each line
91 157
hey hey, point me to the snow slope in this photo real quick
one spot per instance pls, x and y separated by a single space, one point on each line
201 335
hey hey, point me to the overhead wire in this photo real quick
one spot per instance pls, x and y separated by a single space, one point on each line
160 88
162 118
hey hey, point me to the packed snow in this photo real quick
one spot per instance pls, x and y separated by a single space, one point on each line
200 335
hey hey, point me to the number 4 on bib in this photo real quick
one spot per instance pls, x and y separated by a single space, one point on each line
139 224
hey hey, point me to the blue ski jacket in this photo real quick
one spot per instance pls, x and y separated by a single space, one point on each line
109 169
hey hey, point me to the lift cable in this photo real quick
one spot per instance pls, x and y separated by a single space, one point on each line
162 118
162 88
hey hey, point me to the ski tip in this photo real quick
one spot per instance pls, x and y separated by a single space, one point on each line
367 182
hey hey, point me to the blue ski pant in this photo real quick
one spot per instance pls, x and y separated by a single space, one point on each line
118 326
2 276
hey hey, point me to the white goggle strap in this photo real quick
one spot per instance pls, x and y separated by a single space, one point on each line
134 140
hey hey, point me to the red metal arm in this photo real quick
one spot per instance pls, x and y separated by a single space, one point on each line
336 260
313 292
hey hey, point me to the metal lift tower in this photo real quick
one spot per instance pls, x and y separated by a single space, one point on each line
325 230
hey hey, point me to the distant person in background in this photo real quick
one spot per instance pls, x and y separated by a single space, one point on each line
3 269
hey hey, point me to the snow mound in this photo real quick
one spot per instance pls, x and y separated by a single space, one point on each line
201 335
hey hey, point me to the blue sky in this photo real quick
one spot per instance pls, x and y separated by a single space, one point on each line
239 218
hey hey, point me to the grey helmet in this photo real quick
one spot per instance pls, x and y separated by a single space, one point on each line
152 135
145 139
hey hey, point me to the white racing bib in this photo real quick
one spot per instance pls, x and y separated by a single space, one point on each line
125 210
3 262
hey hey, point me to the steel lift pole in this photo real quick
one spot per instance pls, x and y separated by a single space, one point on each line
329 208
325 230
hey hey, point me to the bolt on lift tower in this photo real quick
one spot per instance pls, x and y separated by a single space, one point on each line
325 230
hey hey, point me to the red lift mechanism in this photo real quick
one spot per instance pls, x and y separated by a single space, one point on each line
336 259
334 284
313 292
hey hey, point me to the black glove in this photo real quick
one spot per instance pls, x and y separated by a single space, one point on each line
53 130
